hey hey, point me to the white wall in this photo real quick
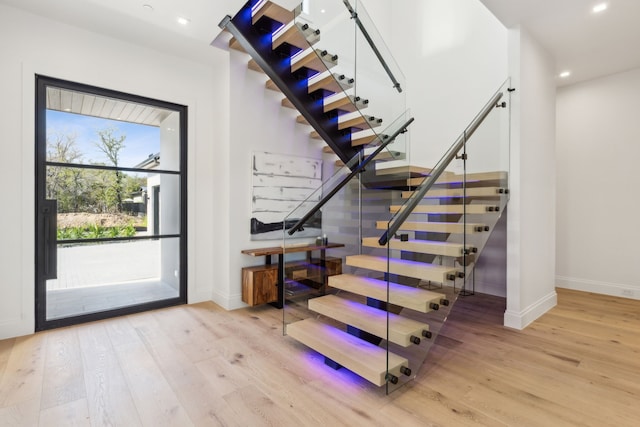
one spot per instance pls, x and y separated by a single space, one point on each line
531 220
30 44
257 122
454 55
597 153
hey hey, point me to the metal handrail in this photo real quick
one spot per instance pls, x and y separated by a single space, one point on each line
365 33
400 217
348 178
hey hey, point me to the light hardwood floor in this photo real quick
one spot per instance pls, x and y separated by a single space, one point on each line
199 365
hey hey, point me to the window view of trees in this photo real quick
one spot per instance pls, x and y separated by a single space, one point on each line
93 203
88 190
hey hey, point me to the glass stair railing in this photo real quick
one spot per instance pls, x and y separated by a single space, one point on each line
375 98
377 310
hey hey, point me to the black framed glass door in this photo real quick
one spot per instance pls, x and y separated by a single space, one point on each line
106 244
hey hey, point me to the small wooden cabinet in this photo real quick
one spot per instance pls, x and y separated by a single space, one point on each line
260 283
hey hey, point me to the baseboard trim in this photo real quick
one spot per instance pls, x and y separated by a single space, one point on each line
522 319
228 302
16 328
604 288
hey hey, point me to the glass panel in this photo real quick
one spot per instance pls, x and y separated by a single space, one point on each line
83 128
448 231
109 275
377 74
351 221
364 89
95 203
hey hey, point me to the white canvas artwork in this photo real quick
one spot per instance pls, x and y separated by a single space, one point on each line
281 183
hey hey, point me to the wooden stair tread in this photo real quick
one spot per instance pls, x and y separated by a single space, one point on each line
287 103
452 209
272 86
332 82
415 269
365 359
315 59
365 140
369 319
296 35
439 193
349 103
300 119
404 296
500 177
387 155
360 122
409 171
327 149
419 246
235 44
314 135
436 227
253 65
273 11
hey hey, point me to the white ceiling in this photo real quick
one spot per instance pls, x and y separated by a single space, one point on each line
589 45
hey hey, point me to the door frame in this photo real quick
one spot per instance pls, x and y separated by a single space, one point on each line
41 83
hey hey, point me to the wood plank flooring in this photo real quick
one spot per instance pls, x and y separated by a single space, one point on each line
579 365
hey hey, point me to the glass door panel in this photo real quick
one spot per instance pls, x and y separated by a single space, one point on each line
107 243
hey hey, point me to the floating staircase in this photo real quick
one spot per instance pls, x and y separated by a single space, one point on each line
380 317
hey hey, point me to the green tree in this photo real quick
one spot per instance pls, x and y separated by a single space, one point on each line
101 195
111 145
65 184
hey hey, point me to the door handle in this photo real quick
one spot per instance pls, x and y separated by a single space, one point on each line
50 216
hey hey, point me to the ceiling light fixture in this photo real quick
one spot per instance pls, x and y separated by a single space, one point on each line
565 74
147 7
183 21
600 7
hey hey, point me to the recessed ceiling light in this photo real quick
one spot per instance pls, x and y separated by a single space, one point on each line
600 7
183 20
322 11
565 74
147 7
